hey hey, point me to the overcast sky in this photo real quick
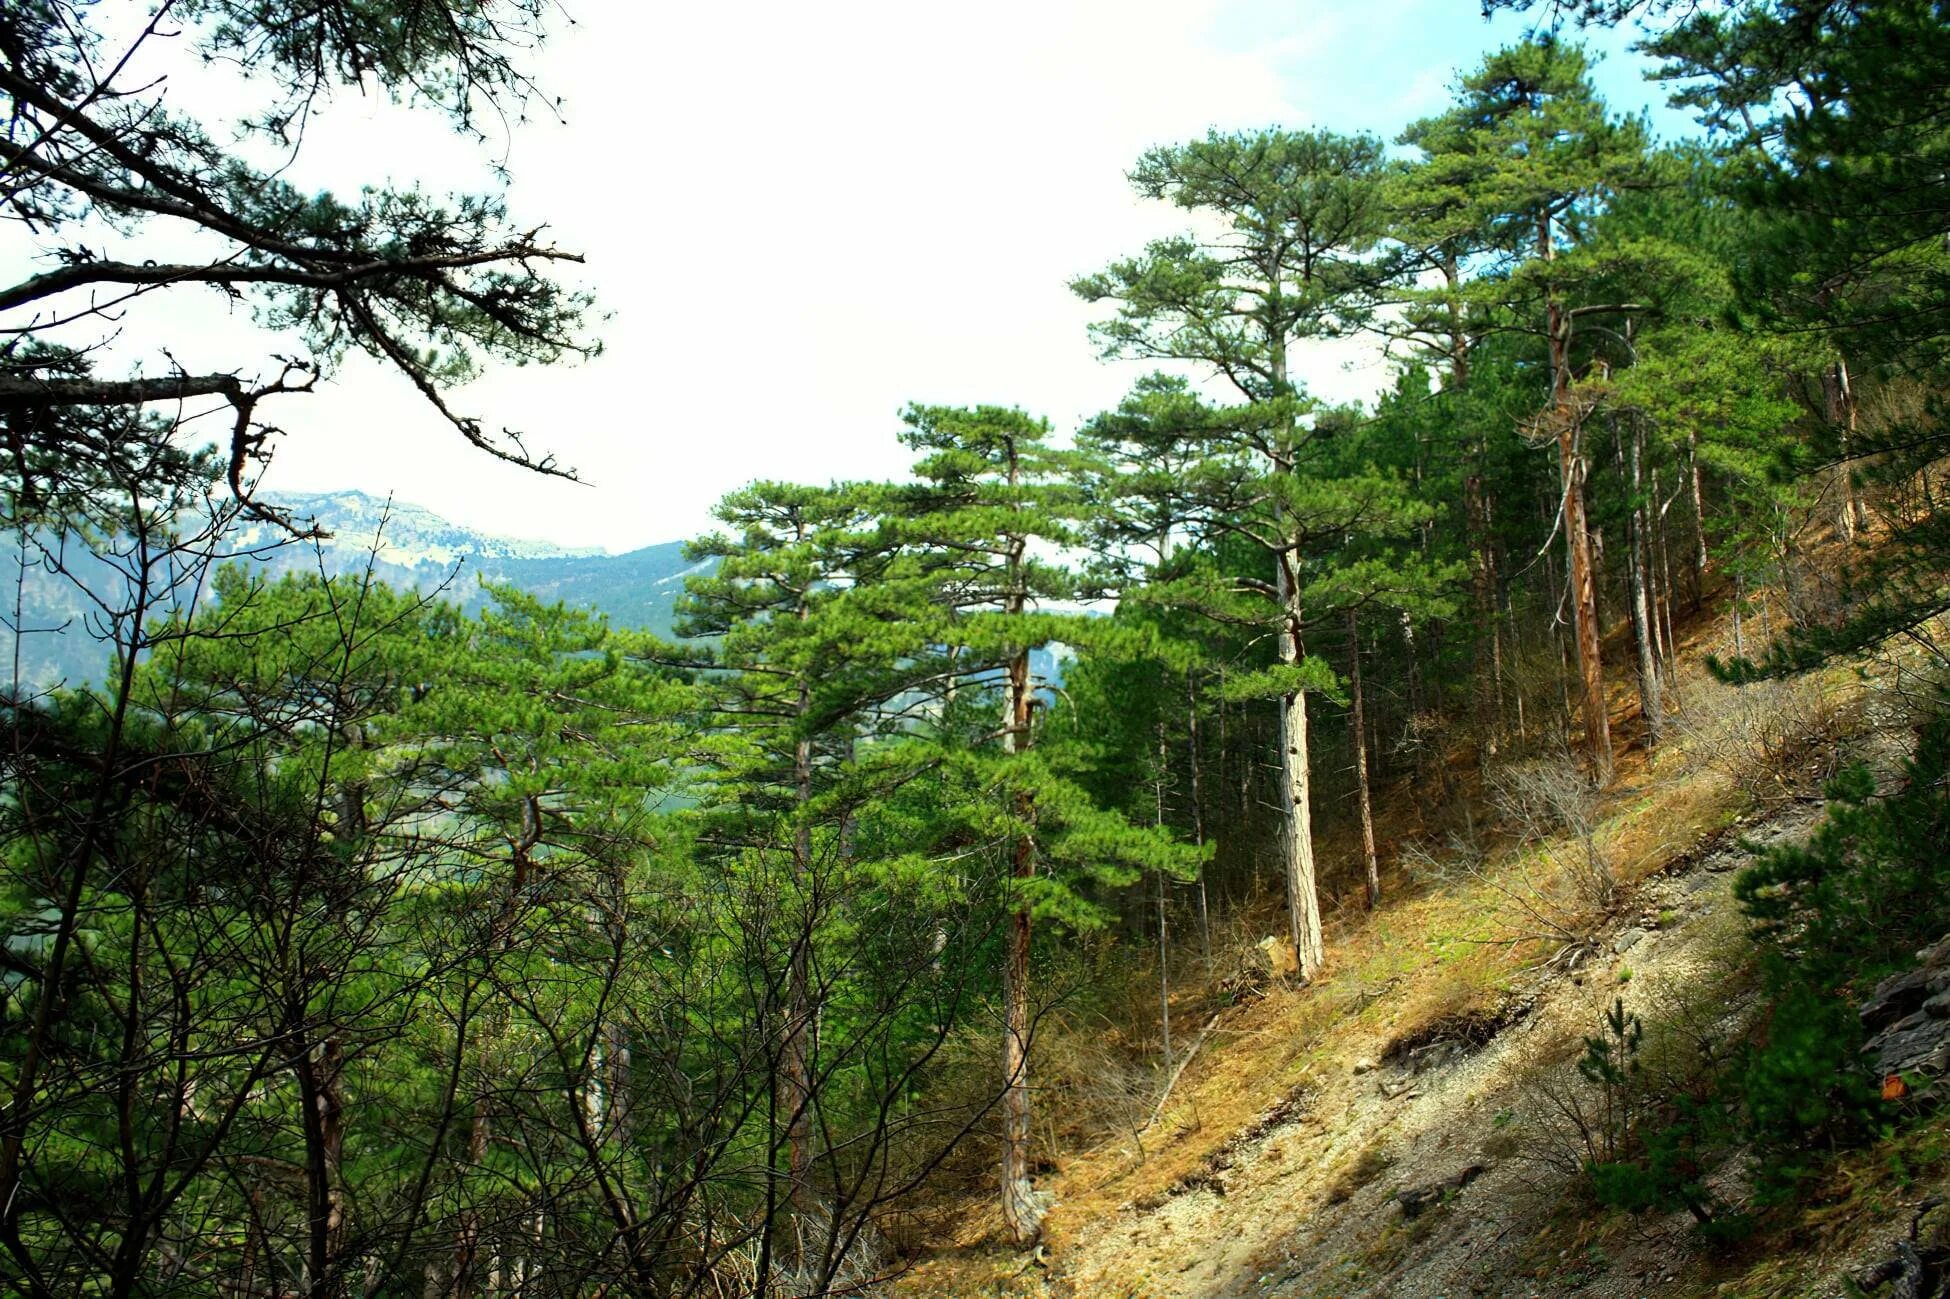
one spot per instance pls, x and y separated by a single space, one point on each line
800 217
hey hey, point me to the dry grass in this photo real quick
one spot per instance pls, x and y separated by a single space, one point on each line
1450 943
1455 950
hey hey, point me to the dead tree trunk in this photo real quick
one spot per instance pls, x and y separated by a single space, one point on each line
1198 811
1357 727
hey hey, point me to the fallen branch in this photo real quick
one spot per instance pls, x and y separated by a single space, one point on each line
1197 1042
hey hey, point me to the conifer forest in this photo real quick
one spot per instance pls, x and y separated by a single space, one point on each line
1491 837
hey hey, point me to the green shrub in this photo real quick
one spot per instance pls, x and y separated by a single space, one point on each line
1869 887
1655 1143
1834 915
1839 912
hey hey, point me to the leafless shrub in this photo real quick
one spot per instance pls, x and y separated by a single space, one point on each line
1460 854
1775 740
1097 1079
803 1266
1549 801
1559 881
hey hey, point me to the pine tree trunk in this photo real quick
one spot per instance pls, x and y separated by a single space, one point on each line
795 1100
1699 518
795 1078
1838 399
1198 812
1022 1207
319 1071
1297 839
1164 933
1476 518
1651 707
1296 770
1489 675
1739 600
1577 539
1663 606
1357 725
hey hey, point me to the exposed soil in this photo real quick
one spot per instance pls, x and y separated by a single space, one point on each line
1412 1070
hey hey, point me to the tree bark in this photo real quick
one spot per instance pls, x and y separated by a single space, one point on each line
1357 726
1577 539
1164 933
1302 894
1022 1207
1198 812
795 1098
795 1079
1297 837
1644 628
319 1069
1699 518
1838 400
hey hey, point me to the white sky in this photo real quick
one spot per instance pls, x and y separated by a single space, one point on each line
803 216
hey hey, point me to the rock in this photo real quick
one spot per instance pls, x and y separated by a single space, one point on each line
1895 997
1365 1065
1908 1020
1874 1274
1918 1044
1626 941
1418 1200
1919 1265
1932 1229
1278 955
1434 1056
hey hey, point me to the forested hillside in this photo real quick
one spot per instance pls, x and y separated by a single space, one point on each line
57 578
1240 844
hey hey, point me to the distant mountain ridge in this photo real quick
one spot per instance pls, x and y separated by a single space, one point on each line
412 534
406 546
417 549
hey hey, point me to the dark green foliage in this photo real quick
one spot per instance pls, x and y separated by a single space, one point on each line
1802 1092
1851 905
1835 915
1869 887
352 942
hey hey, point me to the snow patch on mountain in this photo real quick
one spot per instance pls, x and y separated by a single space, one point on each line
405 534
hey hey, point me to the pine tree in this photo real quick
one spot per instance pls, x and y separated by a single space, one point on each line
1279 484
789 671
1301 212
994 507
1526 158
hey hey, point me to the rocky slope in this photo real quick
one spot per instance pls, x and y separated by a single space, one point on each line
1405 1127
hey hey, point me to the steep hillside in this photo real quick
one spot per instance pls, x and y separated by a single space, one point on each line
1410 1125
